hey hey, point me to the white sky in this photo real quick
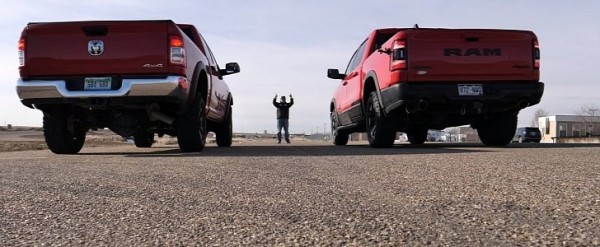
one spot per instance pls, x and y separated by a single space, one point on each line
286 46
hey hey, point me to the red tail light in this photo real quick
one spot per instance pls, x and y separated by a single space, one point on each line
22 52
177 52
399 55
536 54
175 41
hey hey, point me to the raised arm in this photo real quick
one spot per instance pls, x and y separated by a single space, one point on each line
275 101
291 100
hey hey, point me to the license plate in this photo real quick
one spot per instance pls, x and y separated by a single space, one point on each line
97 83
470 89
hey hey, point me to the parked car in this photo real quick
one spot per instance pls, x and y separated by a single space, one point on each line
414 79
527 134
138 78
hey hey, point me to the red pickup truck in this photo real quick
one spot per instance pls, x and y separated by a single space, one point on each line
415 79
137 78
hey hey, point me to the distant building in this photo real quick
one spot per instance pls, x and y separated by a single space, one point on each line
453 134
435 135
361 136
568 126
461 134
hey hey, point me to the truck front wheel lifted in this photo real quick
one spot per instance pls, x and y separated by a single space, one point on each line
499 130
143 139
417 136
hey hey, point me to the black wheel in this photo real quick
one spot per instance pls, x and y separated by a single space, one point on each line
59 137
498 131
417 136
191 129
143 139
381 130
340 138
225 131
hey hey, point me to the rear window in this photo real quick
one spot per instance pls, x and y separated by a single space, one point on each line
532 129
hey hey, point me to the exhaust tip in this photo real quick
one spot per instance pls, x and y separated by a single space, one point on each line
414 107
422 105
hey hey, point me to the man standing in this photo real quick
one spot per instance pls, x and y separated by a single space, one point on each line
283 115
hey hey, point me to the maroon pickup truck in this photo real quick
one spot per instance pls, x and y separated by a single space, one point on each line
137 78
415 79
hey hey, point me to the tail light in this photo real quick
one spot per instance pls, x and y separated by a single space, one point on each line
177 52
399 55
22 52
536 54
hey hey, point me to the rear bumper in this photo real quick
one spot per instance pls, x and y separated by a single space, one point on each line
500 96
175 88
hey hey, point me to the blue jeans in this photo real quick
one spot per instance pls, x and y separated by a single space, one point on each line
283 123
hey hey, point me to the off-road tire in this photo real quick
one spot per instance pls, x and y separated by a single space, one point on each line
381 130
191 129
498 131
143 139
417 136
340 138
59 138
224 131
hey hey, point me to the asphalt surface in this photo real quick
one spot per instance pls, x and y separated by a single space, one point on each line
303 194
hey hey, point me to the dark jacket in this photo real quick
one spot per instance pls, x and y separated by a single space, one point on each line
283 109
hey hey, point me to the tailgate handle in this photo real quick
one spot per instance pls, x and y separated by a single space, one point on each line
472 39
95 30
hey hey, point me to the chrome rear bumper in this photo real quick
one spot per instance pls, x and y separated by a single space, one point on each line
50 89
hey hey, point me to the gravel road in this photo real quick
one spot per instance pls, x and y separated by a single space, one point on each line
303 194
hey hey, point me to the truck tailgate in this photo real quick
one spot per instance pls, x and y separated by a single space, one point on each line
470 55
96 48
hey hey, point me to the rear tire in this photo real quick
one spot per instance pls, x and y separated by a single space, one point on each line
381 130
225 131
498 131
143 139
59 138
339 137
191 129
417 136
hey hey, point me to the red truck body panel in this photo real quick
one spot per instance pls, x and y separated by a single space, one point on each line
448 55
60 49
466 61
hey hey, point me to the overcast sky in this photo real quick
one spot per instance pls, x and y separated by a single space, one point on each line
286 47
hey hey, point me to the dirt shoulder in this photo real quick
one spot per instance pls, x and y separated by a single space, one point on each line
25 138
32 138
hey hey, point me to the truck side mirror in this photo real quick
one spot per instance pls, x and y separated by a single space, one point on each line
335 74
230 68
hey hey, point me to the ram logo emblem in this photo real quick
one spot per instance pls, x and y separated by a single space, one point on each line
95 47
